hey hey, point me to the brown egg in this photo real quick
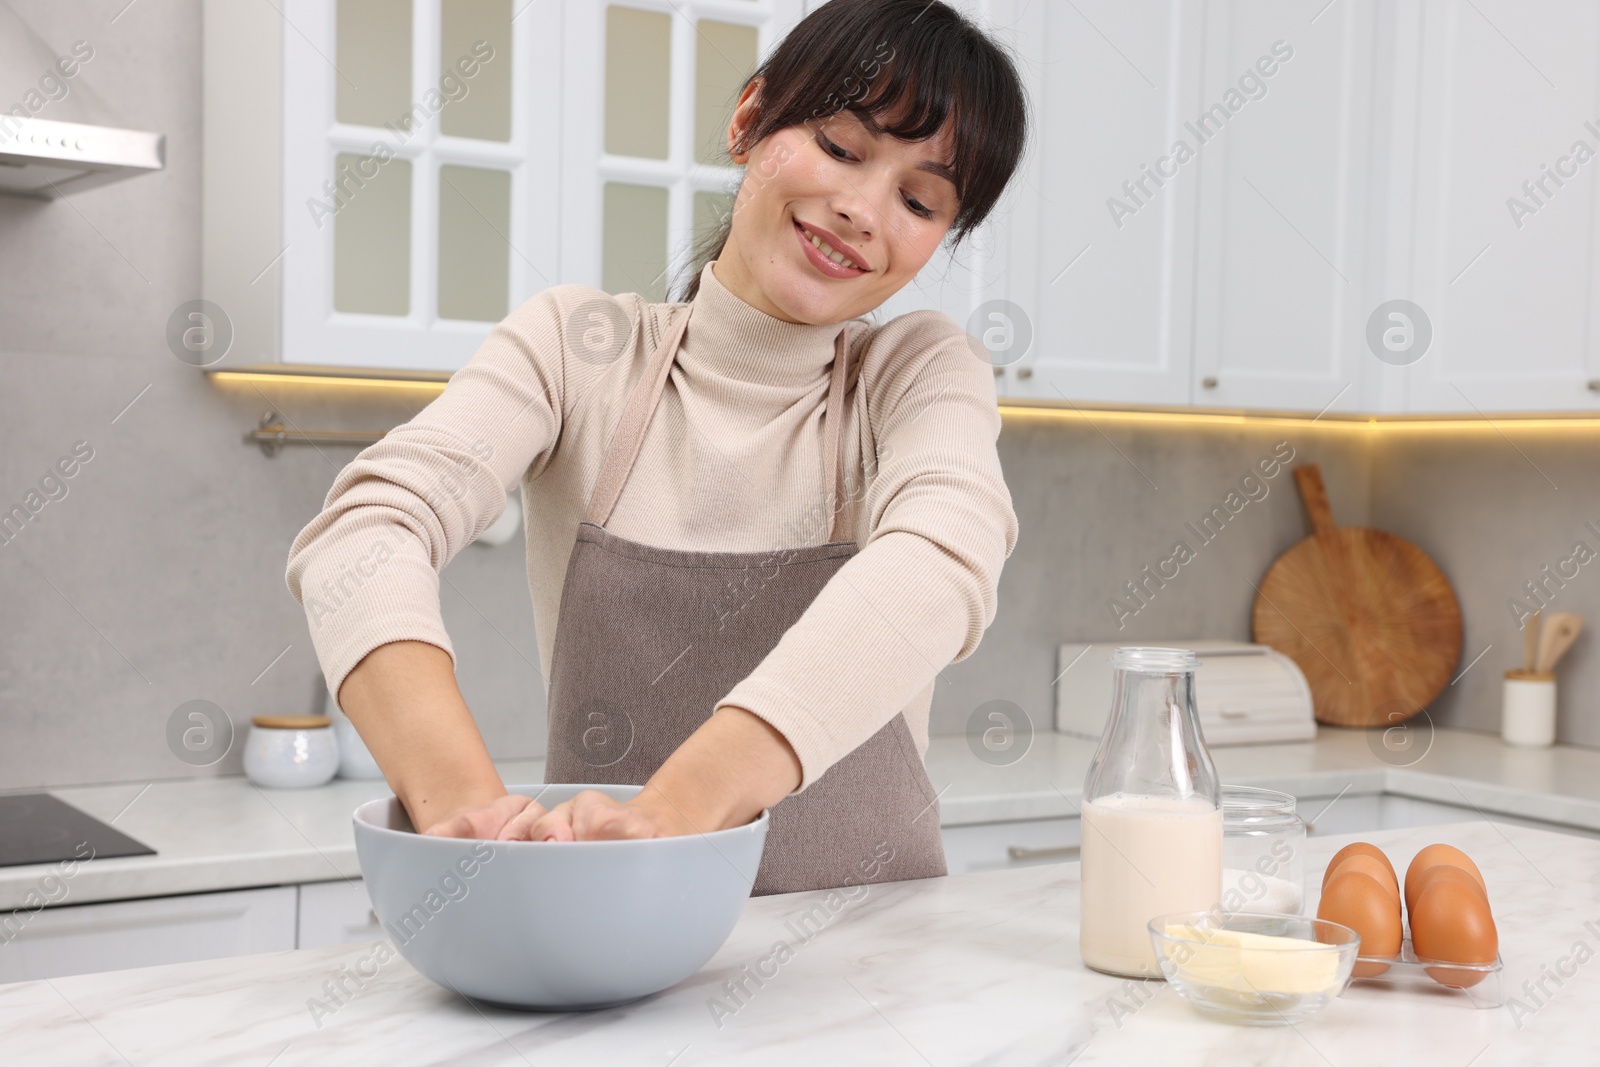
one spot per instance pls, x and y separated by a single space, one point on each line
1451 921
1364 904
1434 855
1359 848
1362 863
1442 872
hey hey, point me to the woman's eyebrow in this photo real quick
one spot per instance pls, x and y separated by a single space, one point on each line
931 166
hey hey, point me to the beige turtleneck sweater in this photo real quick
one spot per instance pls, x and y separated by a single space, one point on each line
732 460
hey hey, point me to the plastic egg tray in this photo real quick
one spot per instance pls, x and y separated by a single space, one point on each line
1410 971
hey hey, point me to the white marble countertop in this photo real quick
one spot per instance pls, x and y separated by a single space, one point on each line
225 833
975 968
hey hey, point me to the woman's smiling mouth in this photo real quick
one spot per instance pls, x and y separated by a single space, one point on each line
823 256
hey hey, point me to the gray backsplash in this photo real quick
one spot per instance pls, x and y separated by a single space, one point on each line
158 578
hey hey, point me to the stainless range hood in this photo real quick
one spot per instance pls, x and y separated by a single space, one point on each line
42 158
57 135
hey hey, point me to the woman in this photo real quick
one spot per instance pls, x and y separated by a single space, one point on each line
696 478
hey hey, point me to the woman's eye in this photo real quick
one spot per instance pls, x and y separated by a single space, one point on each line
911 202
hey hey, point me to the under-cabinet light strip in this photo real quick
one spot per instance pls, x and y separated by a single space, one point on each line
1089 414
1369 423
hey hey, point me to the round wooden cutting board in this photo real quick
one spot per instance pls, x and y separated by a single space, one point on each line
1369 618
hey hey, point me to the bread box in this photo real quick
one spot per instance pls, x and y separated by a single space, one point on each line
1246 694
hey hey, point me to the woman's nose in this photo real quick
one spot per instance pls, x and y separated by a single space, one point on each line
860 205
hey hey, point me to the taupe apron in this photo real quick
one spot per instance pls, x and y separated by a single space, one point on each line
648 640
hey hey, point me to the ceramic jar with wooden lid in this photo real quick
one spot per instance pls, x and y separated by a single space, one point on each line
290 751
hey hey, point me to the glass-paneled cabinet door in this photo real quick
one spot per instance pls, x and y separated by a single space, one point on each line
649 88
420 198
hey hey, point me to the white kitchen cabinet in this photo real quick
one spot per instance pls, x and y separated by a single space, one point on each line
1026 842
376 189
1200 199
988 846
1385 159
336 913
81 938
586 148
1109 296
1281 285
1388 811
648 88
1502 233
75 939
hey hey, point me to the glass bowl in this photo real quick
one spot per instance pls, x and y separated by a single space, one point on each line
1254 969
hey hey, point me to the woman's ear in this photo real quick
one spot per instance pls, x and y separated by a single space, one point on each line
744 118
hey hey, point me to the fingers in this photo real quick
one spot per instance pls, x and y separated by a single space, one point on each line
589 816
597 817
485 822
541 825
455 826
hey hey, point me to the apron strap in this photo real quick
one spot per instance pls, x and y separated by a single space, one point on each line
832 453
623 448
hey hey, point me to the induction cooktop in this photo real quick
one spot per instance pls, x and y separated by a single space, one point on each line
39 828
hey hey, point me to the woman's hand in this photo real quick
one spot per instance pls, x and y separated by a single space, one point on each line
729 770
733 767
488 822
593 816
405 704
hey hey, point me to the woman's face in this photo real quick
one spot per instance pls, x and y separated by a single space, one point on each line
883 204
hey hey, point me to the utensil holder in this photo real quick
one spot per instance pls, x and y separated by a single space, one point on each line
1528 709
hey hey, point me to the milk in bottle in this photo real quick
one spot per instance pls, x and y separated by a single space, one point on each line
1152 813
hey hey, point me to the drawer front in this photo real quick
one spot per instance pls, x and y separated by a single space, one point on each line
81 938
337 913
994 846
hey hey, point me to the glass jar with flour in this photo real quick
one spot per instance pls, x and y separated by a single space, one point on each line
1263 851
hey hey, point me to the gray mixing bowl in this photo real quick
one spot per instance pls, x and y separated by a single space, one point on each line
555 925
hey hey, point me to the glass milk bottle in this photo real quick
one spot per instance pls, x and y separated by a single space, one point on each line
1152 813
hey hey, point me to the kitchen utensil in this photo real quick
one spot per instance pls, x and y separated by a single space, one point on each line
555 925
1528 709
1213 960
1556 635
1250 694
1530 641
1152 813
290 751
1369 618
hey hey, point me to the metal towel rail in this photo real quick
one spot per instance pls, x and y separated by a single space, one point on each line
272 434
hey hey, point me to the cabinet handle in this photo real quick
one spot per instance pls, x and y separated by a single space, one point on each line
999 371
1024 372
1594 385
1018 852
1208 382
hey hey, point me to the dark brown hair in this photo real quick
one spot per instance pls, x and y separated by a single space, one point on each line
920 60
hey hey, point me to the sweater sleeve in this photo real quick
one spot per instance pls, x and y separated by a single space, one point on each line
366 568
922 589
